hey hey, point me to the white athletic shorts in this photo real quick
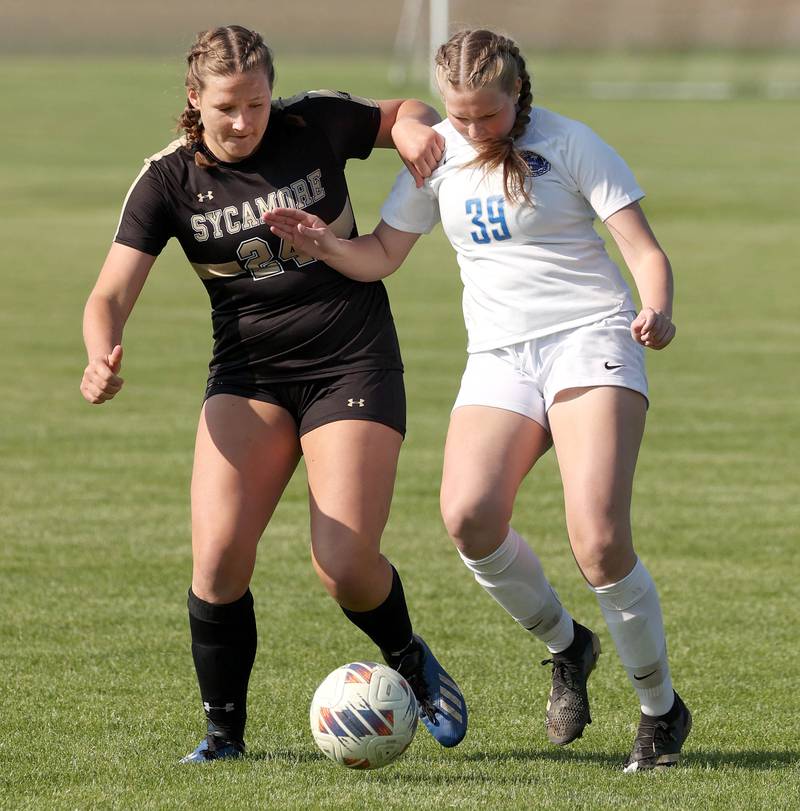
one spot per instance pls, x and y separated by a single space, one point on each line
526 377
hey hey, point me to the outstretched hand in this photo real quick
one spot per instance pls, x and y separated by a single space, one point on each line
652 329
305 232
101 380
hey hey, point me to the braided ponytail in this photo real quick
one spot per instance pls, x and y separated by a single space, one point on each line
515 170
220 51
470 60
191 124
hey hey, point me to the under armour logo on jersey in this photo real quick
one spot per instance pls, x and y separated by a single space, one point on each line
228 707
209 195
360 402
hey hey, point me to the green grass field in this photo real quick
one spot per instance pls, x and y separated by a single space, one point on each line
98 694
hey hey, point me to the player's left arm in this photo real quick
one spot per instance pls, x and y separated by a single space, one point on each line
366 258
406 126
652 273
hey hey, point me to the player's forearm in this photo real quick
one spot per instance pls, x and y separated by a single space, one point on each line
653 276
415 110
399 116
103 323
364 259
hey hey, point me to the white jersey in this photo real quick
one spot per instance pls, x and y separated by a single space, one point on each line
527 270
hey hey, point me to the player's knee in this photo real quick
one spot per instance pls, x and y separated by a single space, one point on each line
469 522
221 571
219 585
603 548
347 577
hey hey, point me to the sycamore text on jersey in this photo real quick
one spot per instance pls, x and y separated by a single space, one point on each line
299 194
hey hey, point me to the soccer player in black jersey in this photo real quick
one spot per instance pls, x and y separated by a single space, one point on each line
305 360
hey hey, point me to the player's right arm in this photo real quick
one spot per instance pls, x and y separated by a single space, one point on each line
107 309
365 259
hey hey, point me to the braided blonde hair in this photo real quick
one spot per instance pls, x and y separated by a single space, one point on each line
220 51
470 60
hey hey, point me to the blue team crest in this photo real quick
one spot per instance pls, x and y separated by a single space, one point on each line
536 163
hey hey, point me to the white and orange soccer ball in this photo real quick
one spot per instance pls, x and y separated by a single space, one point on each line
364 715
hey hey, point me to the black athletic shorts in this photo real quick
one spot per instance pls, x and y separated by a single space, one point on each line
377 395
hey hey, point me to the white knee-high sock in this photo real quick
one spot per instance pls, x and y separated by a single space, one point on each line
513 576
633 615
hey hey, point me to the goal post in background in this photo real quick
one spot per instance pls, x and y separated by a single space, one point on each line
678 49
699 49
410 37
439 25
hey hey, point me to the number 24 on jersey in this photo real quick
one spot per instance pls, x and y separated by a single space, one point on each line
489 216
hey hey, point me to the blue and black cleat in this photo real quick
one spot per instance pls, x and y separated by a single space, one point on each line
441 704
213 747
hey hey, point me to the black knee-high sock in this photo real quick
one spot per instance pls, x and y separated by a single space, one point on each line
224 649
388 625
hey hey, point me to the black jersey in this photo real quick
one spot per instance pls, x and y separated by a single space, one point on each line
277 314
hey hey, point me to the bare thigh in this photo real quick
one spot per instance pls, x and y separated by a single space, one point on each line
488 453
596 434
351 466
245 453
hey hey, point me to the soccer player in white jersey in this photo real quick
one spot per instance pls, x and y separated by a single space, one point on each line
556 356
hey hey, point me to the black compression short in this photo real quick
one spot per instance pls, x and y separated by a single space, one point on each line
377 395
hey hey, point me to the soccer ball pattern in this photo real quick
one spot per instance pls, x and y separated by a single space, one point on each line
363 715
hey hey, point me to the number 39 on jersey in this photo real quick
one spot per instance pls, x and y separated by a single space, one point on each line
489 217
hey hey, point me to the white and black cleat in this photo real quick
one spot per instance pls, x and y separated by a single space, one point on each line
659 739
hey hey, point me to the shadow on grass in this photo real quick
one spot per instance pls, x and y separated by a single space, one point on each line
285 756
554 755
746 759
751 760
297 757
